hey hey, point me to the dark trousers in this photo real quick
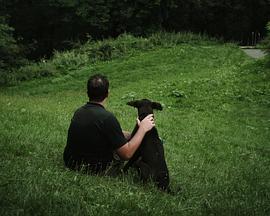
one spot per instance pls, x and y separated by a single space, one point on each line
112 168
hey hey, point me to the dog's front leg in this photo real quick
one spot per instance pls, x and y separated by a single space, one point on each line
144 170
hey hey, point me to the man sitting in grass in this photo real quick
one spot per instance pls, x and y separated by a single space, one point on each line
95 137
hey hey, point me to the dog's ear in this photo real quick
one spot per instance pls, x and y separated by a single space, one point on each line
134 103
156 105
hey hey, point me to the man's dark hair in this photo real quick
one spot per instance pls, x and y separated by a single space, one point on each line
97 87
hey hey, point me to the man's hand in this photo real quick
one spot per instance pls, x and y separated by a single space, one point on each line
147 123
128 149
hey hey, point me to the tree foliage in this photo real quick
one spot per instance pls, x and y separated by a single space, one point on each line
53 24
11 55
266 43
230 19
10 51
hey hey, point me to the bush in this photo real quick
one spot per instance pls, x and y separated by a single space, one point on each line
108 49
267 39
172 39
10 52
68 60
114 48
36 71
265 44
28 72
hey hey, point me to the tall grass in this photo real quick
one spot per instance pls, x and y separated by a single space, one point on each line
95 51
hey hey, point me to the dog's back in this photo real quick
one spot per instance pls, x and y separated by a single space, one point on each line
152 153
149 157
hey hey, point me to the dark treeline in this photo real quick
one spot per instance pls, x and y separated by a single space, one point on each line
45 25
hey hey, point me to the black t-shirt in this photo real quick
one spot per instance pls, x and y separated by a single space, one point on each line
93 135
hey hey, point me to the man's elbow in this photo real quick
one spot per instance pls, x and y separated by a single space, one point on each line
125 156
124 152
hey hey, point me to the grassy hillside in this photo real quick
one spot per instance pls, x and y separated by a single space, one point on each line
215 124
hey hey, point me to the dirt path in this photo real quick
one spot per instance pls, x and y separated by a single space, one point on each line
254 53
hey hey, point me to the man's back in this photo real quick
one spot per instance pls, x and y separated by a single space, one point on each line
92 136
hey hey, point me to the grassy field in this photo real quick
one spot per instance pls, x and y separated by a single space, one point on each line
215 124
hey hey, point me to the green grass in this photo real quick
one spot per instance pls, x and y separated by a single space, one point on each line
215 124
91 52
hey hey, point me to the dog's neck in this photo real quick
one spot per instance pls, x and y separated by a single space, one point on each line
143 115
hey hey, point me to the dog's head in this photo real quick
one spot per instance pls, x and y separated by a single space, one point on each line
145 107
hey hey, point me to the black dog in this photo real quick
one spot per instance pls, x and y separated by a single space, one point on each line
149 157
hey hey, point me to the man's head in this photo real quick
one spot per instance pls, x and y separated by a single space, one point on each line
97 88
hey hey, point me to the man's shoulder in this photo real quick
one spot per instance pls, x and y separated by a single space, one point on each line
94 110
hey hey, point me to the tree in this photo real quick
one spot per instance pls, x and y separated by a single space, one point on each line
10 51
55 24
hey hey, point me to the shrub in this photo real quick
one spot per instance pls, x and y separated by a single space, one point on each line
267 38
114 48
172 39
68 60
108 49
10 52
8 45
265 43
32 71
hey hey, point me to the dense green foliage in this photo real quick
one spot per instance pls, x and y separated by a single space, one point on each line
265 44
241 20
11 56
94 51
268 36
54 24
215 124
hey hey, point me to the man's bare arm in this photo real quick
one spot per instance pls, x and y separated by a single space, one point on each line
127 150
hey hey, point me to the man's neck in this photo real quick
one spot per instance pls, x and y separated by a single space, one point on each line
102 103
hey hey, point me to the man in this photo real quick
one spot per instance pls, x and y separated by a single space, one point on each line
95 134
